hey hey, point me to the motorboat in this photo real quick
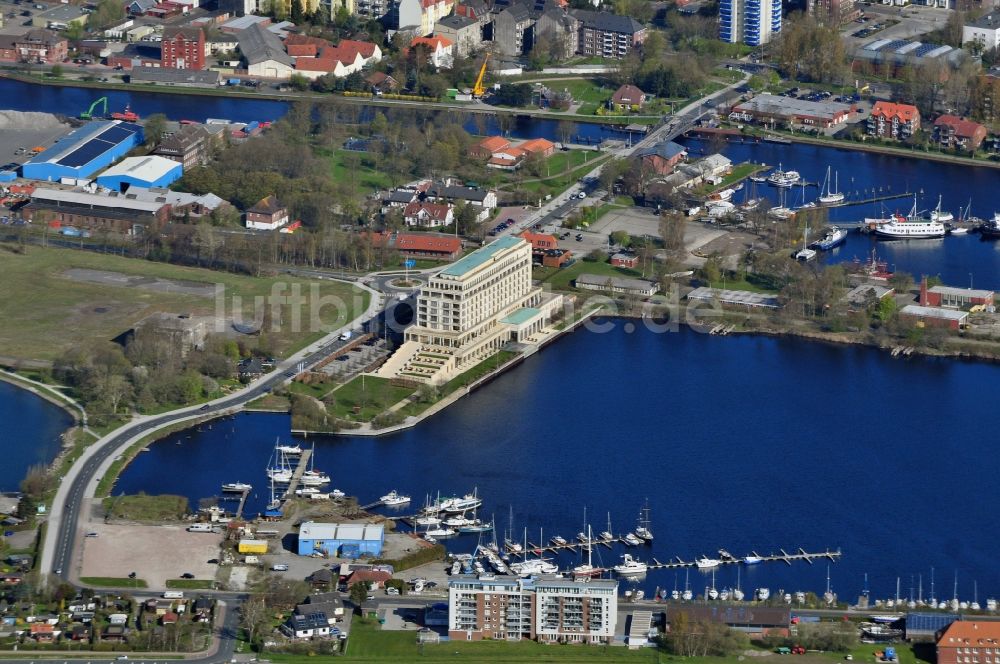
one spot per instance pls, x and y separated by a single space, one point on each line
427 521
781 212
632 540
477 526
441 532
834 237
469 501
800 597
582 538
606 536
558 541
307 491
314 478
782 178
805 255
513 546
713 593
458 521
587 570
393 499
707 563
630 566
289 450
236 487
991 227
738 595
752 560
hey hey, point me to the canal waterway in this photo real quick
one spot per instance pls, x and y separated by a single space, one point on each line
958 260
742 443
30 434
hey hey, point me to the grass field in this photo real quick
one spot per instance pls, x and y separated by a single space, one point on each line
465 378
587 159
371 394
112 582
361 172
561 279
369 644
143 507
190 584
44 312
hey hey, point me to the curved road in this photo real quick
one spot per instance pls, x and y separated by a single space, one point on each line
78 484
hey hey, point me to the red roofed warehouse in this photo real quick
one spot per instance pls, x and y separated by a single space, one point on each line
539 146
889 120
972 640
952 131
485 148
540 241
428 245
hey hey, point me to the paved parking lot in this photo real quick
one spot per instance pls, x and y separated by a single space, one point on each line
27 130
353 361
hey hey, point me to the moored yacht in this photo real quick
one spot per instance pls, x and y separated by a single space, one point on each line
782 178
236 487
393 499
707 563
834 237
630 566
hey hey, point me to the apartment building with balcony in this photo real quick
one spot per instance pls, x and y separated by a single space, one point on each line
751 22
895 121
547 608
607 35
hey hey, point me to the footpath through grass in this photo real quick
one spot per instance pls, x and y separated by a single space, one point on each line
365 397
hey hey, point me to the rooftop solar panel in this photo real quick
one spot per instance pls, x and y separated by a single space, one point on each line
84 154
894 44
115 134
925 49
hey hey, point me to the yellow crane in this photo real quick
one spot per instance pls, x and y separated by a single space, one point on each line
478 90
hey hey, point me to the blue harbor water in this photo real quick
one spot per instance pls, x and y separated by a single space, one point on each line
30 434
20 96
741 443
954 258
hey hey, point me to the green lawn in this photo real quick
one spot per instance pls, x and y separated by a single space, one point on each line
112 582
143 507
190 584
371 394
740 172
358 168
588 161
367 643
45 312
561 279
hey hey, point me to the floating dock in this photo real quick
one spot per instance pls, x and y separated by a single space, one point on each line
300 468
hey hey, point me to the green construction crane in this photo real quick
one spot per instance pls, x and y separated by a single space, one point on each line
89 113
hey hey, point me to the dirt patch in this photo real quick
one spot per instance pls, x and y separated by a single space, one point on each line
154 553
154 284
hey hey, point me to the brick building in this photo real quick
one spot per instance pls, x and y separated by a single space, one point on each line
952 131
896 121
183 48
954 298
40 47
95 212
972 641
608 35
267 215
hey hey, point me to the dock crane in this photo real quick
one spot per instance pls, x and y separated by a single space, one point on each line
89 113
478 90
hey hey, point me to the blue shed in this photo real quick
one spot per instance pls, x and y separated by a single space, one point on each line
84 151
341 539
147 172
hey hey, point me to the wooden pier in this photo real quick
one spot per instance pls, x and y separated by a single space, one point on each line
297 473
243 501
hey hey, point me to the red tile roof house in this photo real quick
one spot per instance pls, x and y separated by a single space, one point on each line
315 57
485 148
427 215
508 159
42 632
539 146
628 97
382 82
539 241
889 120
428 245
377 577
440 50
958 133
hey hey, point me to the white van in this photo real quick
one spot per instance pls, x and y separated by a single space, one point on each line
173 594
345 336
279 567
200 528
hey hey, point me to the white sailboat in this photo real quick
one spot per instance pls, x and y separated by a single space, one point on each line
642 531
587 569
687 595
805 254
828 196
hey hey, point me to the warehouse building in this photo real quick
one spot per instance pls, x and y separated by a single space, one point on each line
770 109
84 151
343 540
757 621
146 172
82 210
